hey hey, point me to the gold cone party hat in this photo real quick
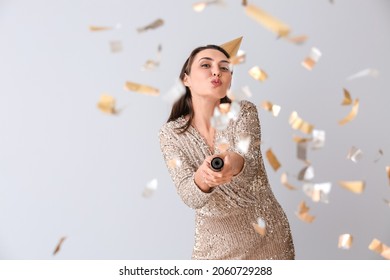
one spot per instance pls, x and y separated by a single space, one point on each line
232 47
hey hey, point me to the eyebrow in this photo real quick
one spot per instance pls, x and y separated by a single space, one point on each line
209 58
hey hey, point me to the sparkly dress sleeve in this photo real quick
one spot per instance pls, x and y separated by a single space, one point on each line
182 173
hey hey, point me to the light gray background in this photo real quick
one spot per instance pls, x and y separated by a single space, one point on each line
66 169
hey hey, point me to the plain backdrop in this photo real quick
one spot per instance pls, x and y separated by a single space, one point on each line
69 170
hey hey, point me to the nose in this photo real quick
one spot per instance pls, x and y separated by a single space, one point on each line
217 74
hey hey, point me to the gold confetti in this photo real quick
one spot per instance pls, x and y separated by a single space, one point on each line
317 192
388 173
99 28
302 151
150 188
353 186
144 89
380 248
312 59
59 244
345 241
153 64
347 98
116 46
223 114
299 139
258 74
268 21
260 226
273 161
303 213
106 104
297 39
355 154
155 24
244 2
364 73
297 123
351 114
200 6
222 144
284 181
173 163
269 106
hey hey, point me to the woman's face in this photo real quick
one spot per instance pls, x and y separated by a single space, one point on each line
210 75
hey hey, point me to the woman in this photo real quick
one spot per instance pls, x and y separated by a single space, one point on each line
230 201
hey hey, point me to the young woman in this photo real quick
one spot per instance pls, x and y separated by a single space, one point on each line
227 202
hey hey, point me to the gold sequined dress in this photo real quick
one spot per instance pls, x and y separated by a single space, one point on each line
224 217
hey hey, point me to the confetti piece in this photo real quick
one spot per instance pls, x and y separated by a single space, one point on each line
387 201
299 139
297 123
271 23
353 186
355 154
232 46
297 39
243 94
269 106
302 151
380 248
155 24
317 192
144 89
222 144
95 28
174 163
243 143
345 241
150 188
153 64
258 74
116 46
200 6
347 98
260 227
284 181
388 173
312 59
318 139
273 161
306 174
239 58
244 2
303 213
351 114
59 244
175 92
380 155
364 73
223 114
106 104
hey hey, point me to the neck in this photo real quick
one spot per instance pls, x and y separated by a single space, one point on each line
204 110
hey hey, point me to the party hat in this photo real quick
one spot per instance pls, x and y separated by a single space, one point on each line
232 47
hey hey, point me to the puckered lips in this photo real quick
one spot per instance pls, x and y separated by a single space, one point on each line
216 82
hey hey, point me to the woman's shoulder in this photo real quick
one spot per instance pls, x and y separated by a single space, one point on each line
171 126
247 106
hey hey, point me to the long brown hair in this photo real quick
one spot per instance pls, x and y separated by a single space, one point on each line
183 106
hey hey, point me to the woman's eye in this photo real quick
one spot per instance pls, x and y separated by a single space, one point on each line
205 65
225 68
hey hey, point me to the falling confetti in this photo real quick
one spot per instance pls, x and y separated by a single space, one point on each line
364 73
312 59
59 244
106 104
244 2
95 28
272 159
153 64
239 58
387 201
318 139
306 174
243 143
351 114
297 123
380 248
271 23
302 150
237 95
150 188
223 114
347 98
174 163
388 172
297 39
317 192
284 181
155 24
144 89
353 186
269 106
222 144
175 92
258 74
116 46
345 241
303 213
355 154
200 6
260 226
380 151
